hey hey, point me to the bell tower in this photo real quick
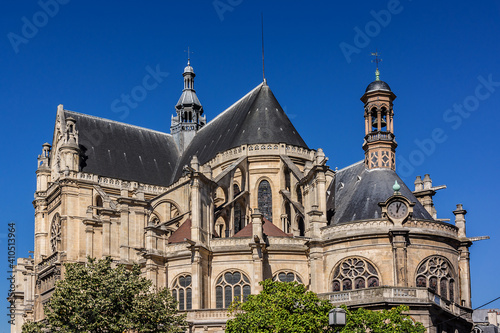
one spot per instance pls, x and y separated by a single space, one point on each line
189 118
379 144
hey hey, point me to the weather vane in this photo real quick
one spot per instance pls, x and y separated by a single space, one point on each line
377 60
189 54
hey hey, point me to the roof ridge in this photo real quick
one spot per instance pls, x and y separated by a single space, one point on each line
117 122
230 107
350 166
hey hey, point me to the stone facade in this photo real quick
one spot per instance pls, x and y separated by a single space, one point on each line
253 211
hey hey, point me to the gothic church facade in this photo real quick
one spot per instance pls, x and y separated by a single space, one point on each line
213 208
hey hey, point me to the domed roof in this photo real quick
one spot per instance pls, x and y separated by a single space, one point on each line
188 69
377 85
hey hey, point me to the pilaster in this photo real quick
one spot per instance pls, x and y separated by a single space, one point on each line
399 241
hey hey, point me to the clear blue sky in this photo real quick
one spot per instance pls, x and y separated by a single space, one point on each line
437 56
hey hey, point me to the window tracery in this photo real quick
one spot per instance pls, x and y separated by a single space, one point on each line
437 274
354 273
232 285
182 292
265 200
55 232
287 276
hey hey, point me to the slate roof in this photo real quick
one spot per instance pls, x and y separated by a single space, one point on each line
118 150
355 192
188 97
268 229
255 118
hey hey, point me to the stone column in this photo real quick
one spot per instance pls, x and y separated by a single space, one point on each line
399 251
124 231
197 279
257 247
89 237
106 231
464 274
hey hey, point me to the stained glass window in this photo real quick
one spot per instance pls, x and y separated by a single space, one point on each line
354 273
182 292
436 274
265 200
55 232
229 288
238 217
287 276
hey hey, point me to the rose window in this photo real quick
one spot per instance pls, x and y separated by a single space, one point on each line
354 273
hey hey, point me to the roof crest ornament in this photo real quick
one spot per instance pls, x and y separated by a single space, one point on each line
189 55
377 60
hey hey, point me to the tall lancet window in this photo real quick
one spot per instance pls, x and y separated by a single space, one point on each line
55 232
265 200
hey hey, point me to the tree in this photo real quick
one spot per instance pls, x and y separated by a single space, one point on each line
280 307
96 297
287 307
385 321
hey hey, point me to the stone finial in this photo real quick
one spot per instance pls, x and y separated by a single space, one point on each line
427 182
419 184
257 224
195 165
320 156
396 187
44 157
207 171
460 220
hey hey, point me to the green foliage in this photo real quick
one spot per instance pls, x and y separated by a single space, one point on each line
98 298
385 321
32 327
287 307
280 307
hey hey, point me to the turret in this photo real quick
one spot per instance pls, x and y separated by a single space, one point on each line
69 150
43 170
189 118
379 144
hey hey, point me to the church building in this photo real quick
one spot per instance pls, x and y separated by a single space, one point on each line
217 205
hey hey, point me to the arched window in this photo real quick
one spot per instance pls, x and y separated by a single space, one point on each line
55 232
354 273
287 276
265 200
302 227
182 292
436 274
98 203
299 194
238 217
236 190
231 286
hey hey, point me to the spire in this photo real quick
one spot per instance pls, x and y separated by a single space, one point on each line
188 119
